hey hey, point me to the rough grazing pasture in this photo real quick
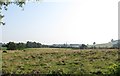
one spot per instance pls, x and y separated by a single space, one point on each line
59 61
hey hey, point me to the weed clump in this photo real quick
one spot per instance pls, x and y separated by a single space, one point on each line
4 51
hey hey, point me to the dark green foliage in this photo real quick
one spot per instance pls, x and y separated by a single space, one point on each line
11 46
4 45
15 46
20 46
114 70
4 51
33 45
118 70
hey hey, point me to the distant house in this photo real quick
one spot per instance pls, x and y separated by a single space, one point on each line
104 45
112 44
116 43
66 45
75 45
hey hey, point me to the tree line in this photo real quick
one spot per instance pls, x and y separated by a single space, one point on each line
28 44
21 46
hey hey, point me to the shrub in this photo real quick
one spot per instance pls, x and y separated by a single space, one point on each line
114 70
4 51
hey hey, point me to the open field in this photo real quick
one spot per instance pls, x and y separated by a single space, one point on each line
59 60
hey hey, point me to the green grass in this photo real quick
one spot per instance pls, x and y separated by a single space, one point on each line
59 60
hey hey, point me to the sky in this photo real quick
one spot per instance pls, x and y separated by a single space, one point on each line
62 21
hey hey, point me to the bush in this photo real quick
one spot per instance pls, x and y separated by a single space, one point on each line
4 51
114 70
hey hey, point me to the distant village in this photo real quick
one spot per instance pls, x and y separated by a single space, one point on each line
111 44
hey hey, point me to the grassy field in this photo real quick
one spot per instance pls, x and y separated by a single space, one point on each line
59 61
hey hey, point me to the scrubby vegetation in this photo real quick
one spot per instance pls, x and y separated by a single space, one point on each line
62 61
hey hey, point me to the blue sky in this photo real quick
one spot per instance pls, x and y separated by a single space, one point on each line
55 21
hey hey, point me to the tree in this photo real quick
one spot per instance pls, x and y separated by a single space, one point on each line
20 46
15 46
94 45
33 45
112 40
28 44
83 46
11 46
5 3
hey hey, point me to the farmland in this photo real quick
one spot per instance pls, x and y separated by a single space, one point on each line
59 61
